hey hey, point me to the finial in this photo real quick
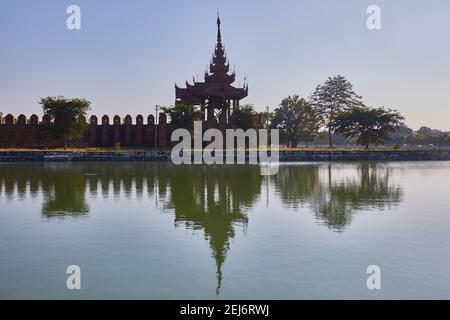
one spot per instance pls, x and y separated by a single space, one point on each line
219 36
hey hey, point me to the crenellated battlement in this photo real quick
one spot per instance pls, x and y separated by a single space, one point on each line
22 119
128 132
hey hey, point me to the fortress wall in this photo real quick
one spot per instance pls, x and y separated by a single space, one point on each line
23 132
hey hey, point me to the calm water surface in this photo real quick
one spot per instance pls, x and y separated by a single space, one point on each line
159 231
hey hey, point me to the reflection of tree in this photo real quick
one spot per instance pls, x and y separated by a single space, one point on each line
208 198
335 202
334 192
213 199
64 193
62 187
295 184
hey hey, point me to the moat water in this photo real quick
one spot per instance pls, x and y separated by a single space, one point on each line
160 231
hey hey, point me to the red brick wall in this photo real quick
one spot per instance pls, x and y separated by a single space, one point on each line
31 133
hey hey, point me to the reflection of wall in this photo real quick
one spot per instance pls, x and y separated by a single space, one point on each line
62 198
62 188
208 198
213 199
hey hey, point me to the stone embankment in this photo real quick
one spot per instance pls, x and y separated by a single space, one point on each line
285 155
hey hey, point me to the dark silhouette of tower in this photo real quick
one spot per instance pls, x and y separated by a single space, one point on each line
216 96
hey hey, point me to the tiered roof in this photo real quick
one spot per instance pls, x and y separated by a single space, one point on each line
217 83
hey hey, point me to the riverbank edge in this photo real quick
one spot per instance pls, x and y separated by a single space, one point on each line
284 156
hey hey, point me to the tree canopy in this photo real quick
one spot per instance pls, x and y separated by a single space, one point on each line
245 117
333 97
368 125
296 121
264 119
183 116
67 116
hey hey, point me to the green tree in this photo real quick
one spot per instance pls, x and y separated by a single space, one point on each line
401 134
183 116
368 125
296 120
245 117
264 119
330 99
309 128
67 116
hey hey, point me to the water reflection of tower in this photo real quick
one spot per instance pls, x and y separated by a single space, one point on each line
213 199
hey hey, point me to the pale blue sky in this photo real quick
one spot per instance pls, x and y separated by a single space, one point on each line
128 54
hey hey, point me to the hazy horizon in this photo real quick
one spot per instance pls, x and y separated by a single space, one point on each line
128 56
